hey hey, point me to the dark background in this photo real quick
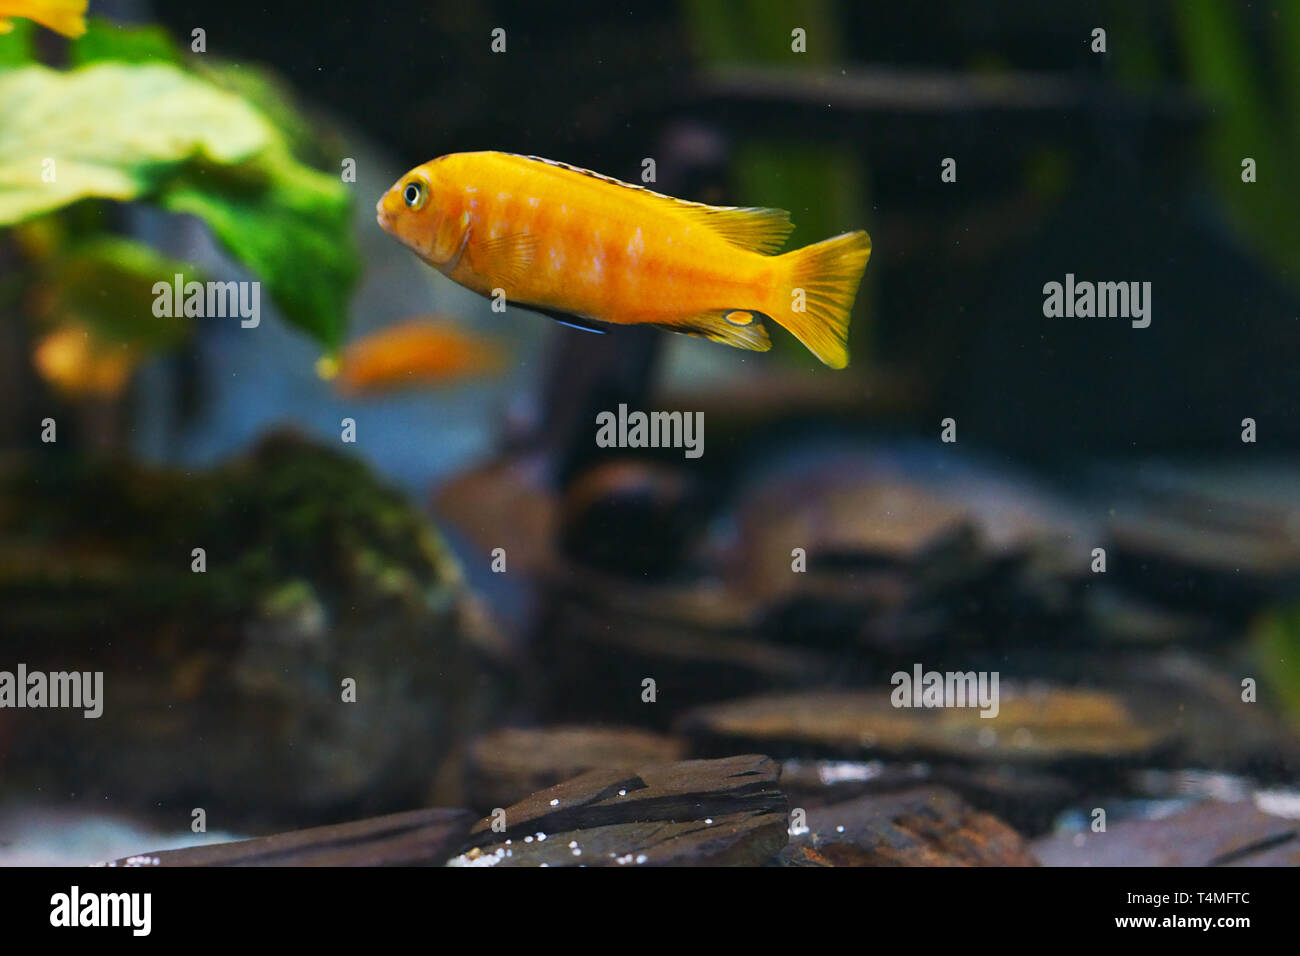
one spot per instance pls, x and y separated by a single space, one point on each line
1069 161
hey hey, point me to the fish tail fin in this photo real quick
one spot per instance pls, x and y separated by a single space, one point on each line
815 296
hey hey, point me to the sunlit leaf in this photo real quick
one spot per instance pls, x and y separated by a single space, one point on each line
260 87
295 233
112 130
308 140
153 132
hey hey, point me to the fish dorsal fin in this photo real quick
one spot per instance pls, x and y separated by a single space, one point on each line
754 228
749 227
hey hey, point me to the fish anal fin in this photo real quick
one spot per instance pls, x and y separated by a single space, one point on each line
506 259
716 327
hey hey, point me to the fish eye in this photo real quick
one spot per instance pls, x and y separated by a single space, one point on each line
414 194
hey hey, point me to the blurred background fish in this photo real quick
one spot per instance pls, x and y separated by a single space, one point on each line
420 352
73 360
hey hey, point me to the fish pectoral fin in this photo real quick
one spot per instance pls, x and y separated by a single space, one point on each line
739 328
506 259
566 318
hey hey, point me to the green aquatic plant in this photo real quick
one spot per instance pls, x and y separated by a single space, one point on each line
1248 75
1275 646
1256 115
136 120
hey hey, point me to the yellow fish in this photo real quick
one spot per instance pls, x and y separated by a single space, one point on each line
415 352
580 246
79 365
65 16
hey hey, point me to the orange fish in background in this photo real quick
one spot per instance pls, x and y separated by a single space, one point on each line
418 352
64 16
580 246
78 364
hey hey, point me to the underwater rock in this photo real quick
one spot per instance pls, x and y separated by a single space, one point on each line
1220 539
1261 831
817 782
1034 725
1114 616
885 524
744 411
684 656
927 826
507 765
1190 696
227 670
415 838
737 839
616 517
1199 698
1220 569
704 605
908 552
631 517
1028 798
905 510
702 812
506 503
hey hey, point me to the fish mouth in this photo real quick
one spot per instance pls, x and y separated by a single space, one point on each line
382 217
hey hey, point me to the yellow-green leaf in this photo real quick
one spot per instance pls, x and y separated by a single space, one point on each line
153 132
111 130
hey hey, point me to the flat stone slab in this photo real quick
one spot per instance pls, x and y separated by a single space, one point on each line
1037 724
701 812
1261 831
508 764
927 826
415 838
